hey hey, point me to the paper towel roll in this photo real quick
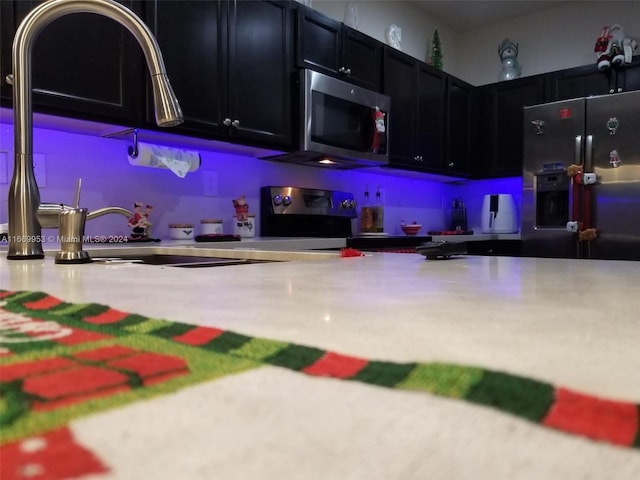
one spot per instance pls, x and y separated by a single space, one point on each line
178 161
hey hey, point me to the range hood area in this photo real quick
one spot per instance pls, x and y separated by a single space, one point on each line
323 160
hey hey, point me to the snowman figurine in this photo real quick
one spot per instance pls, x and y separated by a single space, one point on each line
508 52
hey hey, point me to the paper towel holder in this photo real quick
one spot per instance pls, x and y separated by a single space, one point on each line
133 150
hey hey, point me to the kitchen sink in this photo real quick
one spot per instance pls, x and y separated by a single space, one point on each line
170 260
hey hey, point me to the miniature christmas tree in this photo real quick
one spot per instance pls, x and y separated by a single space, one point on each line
436 51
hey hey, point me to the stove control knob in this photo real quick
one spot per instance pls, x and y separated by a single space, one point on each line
277 199
286 200
348 204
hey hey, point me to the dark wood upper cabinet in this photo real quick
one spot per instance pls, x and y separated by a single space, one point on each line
578 82
327 46
231 67
587 81
83 65
460 127
400 83
432 118
430 103
499 123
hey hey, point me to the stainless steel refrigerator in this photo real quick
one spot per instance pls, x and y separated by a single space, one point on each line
603 135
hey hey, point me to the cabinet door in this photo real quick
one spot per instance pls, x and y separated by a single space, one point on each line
361 58
459 127
507 133
400 84
86 66
318 42
7 31
578 82
260 72
189 34
430 102
629 76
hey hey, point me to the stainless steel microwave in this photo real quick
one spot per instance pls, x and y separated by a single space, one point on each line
340 125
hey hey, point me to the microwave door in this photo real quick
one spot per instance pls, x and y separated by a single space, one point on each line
336 122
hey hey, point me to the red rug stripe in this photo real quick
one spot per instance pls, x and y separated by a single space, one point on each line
44 303
81 336
66 401
73 382
333 364
110 316
105 353
149 364
53 455
616 422
199 335
28 369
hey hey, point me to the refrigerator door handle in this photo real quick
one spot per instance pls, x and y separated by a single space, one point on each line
578 154
588 154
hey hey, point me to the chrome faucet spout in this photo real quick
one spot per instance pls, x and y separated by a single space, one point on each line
107 210
24 195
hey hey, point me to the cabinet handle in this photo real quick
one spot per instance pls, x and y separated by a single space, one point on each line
451 165
226 122
9 79
347 71
235 123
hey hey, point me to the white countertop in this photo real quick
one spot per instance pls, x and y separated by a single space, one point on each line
567 322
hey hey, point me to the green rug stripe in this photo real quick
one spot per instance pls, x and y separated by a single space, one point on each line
295 357
130 320
90 310
148 326
226 342
173 329
72 309
26 297
442 379
26 347
13 402
518 395
385 374
259 349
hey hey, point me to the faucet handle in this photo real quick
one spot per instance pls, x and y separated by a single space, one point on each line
78 186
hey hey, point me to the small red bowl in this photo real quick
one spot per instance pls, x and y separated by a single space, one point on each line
412 229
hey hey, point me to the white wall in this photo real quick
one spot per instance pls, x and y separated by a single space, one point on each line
553 39
417 28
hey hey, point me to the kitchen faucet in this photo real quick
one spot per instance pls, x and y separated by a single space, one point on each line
24 196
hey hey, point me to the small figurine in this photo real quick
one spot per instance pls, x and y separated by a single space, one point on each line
508 52
242 208
139 222
613 48
393 35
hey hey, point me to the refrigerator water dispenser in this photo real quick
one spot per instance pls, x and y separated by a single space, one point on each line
552 199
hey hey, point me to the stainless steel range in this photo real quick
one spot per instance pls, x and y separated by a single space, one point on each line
305 212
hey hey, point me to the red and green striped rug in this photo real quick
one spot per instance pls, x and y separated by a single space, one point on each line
60 361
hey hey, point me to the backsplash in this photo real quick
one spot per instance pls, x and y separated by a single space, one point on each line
109 180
